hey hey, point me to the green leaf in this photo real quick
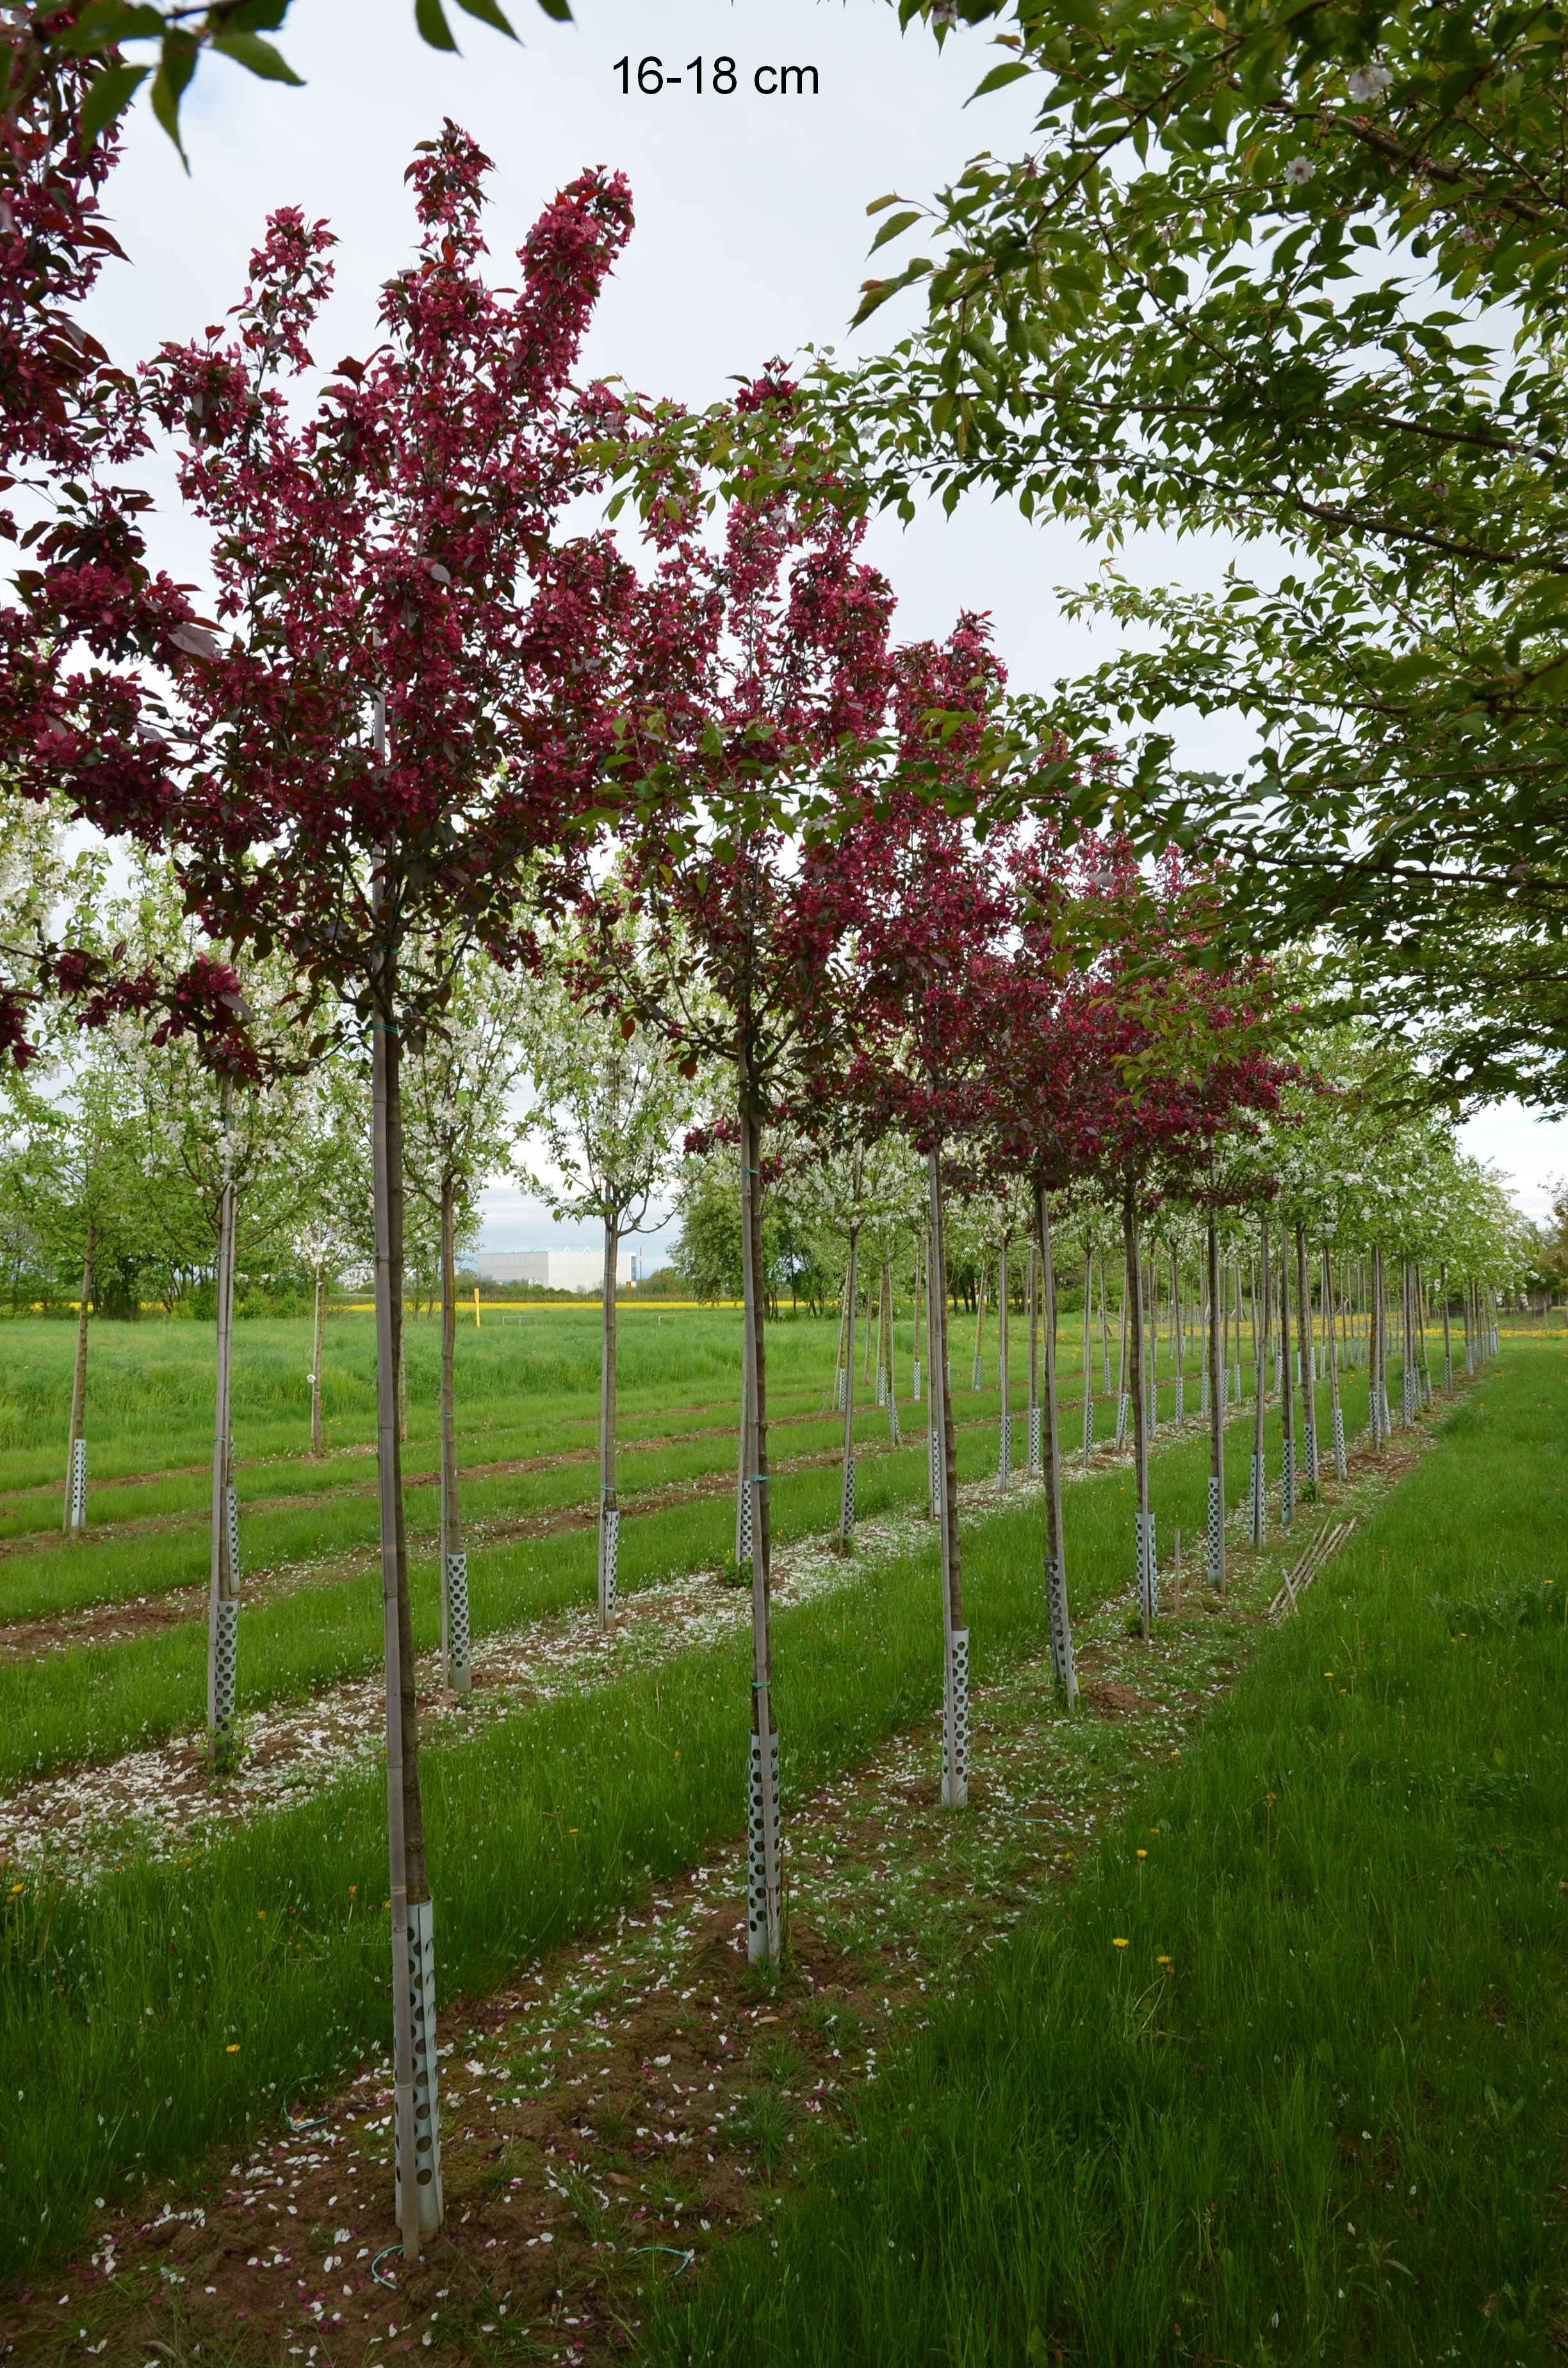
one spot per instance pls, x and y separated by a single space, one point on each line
175 70
108 95
488 14
98 28
893 226
431 19
559 10
999 76
258 57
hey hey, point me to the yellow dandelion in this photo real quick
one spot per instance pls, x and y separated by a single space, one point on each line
1143 1853
232 2048
1162 1960
1118 1944
261 1914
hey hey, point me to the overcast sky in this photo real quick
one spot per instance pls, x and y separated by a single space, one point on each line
751 240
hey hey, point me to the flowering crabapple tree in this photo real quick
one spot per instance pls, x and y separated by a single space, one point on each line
609 1105
89 622
1177 1051
407 701
759 717
929 960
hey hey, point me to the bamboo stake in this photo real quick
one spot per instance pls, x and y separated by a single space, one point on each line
317 1342
1088 1346
1259 1356
1005 1432
1306 1364
1287 1390
1215 1427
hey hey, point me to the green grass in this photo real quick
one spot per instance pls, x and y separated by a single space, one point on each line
1334 2130
119 2004
91 1702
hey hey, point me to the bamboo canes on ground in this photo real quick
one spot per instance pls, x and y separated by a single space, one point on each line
955 1635
74 1518
1259 1357
222 1595
1063 1668
1216 1426
1144 1519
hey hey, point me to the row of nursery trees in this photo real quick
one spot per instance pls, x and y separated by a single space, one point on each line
687 766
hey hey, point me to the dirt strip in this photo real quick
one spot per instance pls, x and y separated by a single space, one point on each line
628 2104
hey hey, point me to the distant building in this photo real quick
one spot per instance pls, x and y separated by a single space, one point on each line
555 1270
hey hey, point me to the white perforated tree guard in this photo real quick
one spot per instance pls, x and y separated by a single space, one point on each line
1340 1466
1258 1498
1005 1452
1034 1440
1288 1485
609 1559
1216 1533
419 1971
847 1514
78 1484
955 1723
225 1664
1181 1397
1148 1571
1123 1415
460 1665
756 1849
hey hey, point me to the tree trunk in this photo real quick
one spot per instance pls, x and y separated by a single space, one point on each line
1005 1433
609 1513
894 1433
763 1928
1132 1327
317 1340
74 1521
955 1635
1176 1343
1260 1395
979 1327
1286 1388
1062 1664
1377 1352
1034 1299
418 2152
922 1318
1122 1375
1306 1364
1088 1346
1448 1336
846 1480
223 1596
454 1562
1215 1425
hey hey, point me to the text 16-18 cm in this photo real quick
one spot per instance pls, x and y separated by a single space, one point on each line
648 76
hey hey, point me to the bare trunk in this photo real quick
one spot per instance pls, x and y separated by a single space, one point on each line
763 1924
1132 1327
1286 1388
1330 1342
1034 1299
955 1635
1448 1336
1215 1425
1308 1364
1004 1435
847 1487
223 1596
1088 1346
317 1342
74 1521
414 2025
610 1513
1260 1373
455 1653
1062 1664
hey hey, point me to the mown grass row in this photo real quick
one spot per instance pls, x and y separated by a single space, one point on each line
119 2004
1333 2128
93 1702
